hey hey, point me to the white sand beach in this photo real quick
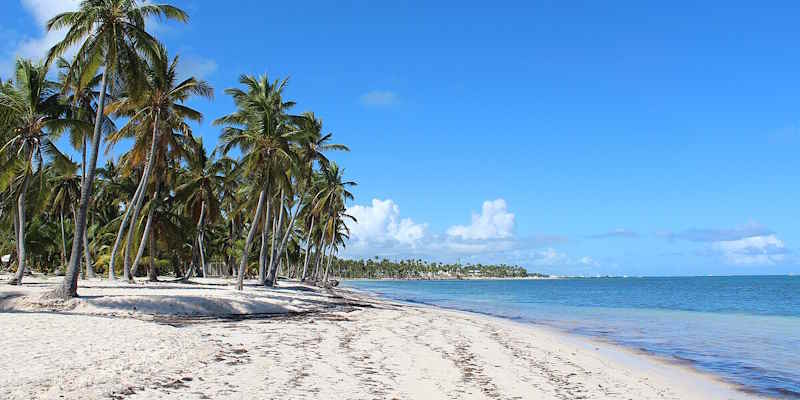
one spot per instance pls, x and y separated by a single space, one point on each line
207 341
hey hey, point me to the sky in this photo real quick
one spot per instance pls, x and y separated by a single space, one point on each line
568 137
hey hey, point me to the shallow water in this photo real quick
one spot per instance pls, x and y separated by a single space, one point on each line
745 329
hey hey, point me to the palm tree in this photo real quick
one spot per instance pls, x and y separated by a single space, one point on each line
232 205
202 180
312 150
32 111
65 187
80 92
332 197
159 108
261 129
112 35
339 235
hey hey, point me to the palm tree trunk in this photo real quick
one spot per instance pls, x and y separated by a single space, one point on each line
200 238
262 257
63 240
152 274
308 250
145 234
249 241
86 252
21 232
190 270
87 255
320 258
229 258
273 252
328 267
122 225
319 247
70 286
16 237
282 244
126 271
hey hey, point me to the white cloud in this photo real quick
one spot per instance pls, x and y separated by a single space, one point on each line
43 10
377 98
36 47
380 223
754 250
494 222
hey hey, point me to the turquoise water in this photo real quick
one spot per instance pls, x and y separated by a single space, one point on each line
744 329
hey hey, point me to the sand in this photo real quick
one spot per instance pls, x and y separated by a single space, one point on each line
170 341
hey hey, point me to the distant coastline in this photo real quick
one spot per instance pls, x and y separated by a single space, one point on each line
384 269
465 278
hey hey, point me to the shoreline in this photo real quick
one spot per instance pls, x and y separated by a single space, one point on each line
315 344
607 346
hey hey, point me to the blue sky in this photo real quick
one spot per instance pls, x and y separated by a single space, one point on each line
569 137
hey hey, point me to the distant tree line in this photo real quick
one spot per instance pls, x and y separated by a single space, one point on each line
382 268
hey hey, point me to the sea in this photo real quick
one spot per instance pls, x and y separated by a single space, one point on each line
744 329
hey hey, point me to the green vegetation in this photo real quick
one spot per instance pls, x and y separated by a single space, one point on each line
168 204
419 269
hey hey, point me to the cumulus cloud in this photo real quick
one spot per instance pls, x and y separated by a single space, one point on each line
754 250
380 223
494 222
380 229
616 233
378 98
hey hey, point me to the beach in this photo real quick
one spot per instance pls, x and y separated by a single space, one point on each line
204 340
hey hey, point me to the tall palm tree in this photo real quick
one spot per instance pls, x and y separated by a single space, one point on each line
262 130
159 108
81 93
111 34
31 109
312 150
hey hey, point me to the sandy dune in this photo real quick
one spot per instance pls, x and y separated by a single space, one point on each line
327 347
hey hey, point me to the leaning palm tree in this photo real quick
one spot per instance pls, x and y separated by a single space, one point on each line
31 110
110 34
262 130
159 108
